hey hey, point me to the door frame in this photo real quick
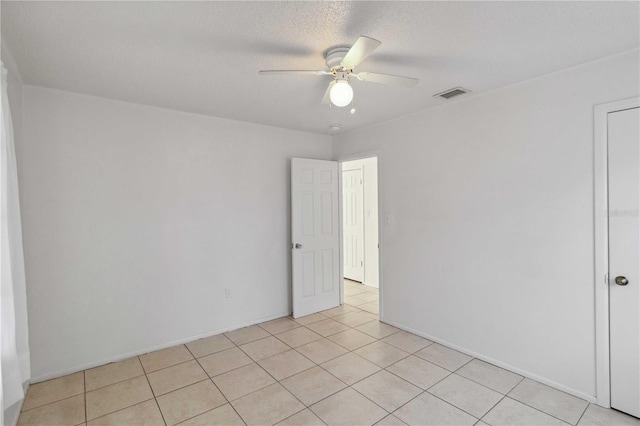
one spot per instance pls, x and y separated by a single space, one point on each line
361 156
601 243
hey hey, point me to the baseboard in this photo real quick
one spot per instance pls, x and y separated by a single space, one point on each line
527 374
12 414
88 365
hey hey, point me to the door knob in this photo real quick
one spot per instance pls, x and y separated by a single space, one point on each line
298 246
622 280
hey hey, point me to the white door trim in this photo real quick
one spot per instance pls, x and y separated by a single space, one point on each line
361 156
601 244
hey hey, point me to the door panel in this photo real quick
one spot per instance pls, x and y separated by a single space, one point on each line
624 258
353 224
315 233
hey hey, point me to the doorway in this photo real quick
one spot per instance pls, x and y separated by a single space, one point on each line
360 234
617 254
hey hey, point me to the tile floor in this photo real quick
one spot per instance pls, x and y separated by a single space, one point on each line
339 367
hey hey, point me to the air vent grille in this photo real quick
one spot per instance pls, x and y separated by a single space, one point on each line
448 94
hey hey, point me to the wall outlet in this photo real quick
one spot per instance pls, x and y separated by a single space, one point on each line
227 293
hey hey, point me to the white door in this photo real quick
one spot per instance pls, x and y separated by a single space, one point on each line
353 224
315 232
624 259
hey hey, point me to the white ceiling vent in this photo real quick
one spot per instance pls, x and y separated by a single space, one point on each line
448 94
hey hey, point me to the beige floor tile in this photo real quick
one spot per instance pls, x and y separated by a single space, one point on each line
164 358
598 416
352 291
348 407
279 325
387 390
243 381
285 364
350 368
210 345
221 362
108 399
428 410
391 420
353 319
264 348
54 390
298 337
418 371
308 319
304 417
68 411
381 353
352 339
372 308
321 350
223 416
354 301
190 401
145 413
368 296
493 377
443 356
407 342
267 406
113 373
513 413
469 396
246 334
338 310
377 329
176 377
312 385
327 327
552 401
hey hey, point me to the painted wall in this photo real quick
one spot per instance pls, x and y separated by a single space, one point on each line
14 91
490 246
370 220
137 218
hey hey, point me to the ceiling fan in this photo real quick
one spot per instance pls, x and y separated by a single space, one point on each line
341 61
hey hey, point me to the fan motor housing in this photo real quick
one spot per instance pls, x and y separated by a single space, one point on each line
333 57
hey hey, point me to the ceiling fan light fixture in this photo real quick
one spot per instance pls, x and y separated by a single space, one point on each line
341 93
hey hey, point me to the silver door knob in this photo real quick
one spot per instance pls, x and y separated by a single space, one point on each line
298 246
622 280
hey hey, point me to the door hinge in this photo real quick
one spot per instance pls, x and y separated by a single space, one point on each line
606 278
361 263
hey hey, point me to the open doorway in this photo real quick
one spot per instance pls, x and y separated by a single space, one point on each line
360 234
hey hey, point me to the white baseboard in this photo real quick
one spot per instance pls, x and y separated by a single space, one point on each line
532 376
120 357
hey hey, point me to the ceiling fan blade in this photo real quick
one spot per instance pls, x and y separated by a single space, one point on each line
308 72
325 98
362 48
388 79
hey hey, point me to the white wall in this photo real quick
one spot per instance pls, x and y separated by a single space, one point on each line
370 211
137 218
490 245
14 91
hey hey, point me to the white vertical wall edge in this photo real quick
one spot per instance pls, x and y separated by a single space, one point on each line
601 243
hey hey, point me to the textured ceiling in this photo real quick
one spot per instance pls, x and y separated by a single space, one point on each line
204 57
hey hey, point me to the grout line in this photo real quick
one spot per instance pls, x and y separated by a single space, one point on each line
154 395
582 415
84 384
216 386
52 402
121 409
539 410
114 383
